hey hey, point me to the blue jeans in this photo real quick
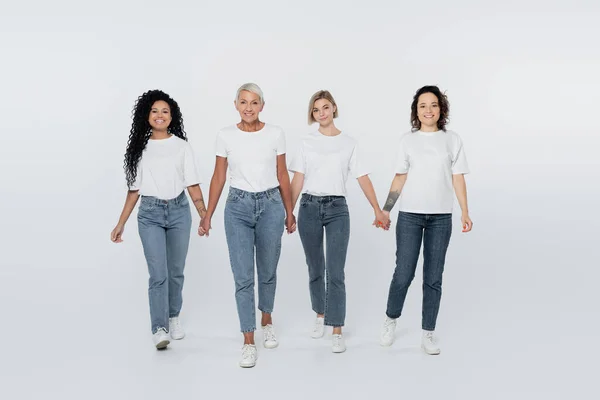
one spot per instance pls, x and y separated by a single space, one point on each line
254 222
164 227
434 230
329 215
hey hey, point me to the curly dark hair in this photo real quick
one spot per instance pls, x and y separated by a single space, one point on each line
442 102
141 130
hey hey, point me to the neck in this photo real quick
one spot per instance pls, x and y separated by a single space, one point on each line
160 134
329 130
253 126
433 128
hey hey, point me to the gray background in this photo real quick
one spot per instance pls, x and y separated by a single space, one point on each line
519 312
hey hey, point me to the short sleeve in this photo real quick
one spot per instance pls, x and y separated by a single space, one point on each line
459 158
221 146
357 166
402 160
191 176
298 162
281 143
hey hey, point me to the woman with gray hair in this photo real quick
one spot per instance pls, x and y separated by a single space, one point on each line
258 205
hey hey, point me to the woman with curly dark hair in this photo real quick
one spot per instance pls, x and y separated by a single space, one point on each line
431 163
159 165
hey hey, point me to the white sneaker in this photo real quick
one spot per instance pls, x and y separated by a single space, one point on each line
175 329
338 346
249 356
161 338
269 338
388 332
319 329
428 344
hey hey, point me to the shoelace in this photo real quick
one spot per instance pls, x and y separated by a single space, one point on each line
319 325
337 340
175 325
269 333
248 352
161 329
388 326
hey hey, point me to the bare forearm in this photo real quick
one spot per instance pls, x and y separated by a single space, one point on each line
367 187
460 188
214 193
395 190
286 192
130 202
198 200
297 185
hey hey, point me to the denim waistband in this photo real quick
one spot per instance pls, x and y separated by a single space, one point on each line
255 195
323 199
155 200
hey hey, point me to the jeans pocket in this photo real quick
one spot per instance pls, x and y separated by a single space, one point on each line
339 203
146 204
275 197
233 197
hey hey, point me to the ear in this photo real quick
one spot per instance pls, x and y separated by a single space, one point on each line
235 103
262 106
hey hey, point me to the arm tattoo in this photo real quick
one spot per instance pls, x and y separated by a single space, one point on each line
199 203
391 201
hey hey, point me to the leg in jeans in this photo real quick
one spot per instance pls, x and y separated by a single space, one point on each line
337 234
269 229
409 235
436 239
178 239
239 230
310 228
154 241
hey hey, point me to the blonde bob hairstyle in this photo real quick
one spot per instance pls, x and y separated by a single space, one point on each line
321 94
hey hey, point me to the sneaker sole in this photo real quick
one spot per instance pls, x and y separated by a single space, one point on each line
338 351
318 337
271 346
247 366
177 337
434 353
162 344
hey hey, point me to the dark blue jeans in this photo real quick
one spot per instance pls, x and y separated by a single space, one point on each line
329 215
434 230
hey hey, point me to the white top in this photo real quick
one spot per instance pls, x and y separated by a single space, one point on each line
325 162
252 156
430 159
166 168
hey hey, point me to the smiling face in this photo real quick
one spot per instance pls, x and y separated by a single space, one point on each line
249 106
323 112
428 111
160 116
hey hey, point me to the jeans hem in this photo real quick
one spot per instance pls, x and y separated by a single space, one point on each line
327 323
389 316
248 330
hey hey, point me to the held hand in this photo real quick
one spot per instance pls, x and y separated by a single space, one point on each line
290 224
382 220
117 233
467 224
205 227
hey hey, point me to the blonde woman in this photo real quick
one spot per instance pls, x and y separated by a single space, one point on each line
325 159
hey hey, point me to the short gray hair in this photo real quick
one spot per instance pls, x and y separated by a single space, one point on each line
252 88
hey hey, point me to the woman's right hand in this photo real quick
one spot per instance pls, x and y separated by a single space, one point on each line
382 220
117 233
205 226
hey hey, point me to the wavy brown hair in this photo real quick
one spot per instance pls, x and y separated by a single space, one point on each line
442 102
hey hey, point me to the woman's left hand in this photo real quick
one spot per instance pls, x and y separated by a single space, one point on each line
290 223
467 224
382 220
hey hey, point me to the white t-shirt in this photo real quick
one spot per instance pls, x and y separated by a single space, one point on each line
252 156
166 168
430 159
326 162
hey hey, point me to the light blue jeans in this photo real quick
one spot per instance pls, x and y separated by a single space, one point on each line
254 222
164 227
